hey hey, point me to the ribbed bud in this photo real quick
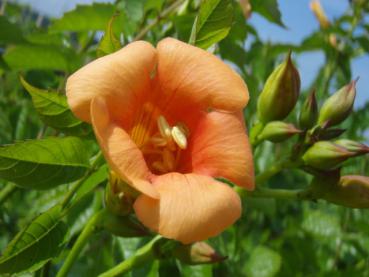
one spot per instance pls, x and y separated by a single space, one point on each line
350 191
309 112
326 155
280 92
338 107
353 146
327 134
277 131
119 196
319 14
123 226
197 253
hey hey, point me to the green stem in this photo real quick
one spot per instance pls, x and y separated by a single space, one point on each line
142 256
87 231
77 184
299 194
6 192
156 21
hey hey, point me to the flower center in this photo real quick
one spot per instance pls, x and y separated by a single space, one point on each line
162 144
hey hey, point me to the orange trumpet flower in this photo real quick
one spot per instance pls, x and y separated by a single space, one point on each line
168 121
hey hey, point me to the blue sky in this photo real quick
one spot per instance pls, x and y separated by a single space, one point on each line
295 14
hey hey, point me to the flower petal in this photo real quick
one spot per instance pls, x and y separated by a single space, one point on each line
121 76
219 147
119 150
188 74
191 207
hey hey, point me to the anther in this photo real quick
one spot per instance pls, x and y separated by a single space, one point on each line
179 137
164 127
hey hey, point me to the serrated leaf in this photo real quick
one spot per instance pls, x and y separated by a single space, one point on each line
108 43
9 32
268 9
54 111
263 262
212 24
321 224
30 56
93 17
44 163
37 243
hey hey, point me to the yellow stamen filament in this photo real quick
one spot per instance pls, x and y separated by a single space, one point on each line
179 137
164 127
158 141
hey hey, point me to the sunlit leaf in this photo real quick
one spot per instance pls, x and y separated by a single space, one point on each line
44 163
263 262
108 43
212 23
37 243
54 111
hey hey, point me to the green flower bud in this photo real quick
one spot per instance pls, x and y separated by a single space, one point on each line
326 134
350 191
280 92
326 155
353 146
119 196
277 131
309 112
197 253
338 107
123 226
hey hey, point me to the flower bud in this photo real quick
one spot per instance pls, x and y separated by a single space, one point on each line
309 112
119 197
277 131
353 146
338 107
123 226
327 134
197 253
326 155
319 14
280 92
350 191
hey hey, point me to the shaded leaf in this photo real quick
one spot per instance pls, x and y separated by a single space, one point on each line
9 32
268 9
54 111
321 224
37 243
44 163
212 23
264 262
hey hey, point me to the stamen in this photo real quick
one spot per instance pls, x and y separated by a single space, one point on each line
168 159
164 127
159 166
179 137
158 141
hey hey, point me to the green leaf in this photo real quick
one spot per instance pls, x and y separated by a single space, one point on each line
29 56
37 243
54 111
9 32
268 9
212 24
44 163
93 17
264 262
321 224
108 43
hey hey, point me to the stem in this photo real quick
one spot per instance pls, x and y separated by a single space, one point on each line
156 21
80 243
6 192
299 194
74 189
142 255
